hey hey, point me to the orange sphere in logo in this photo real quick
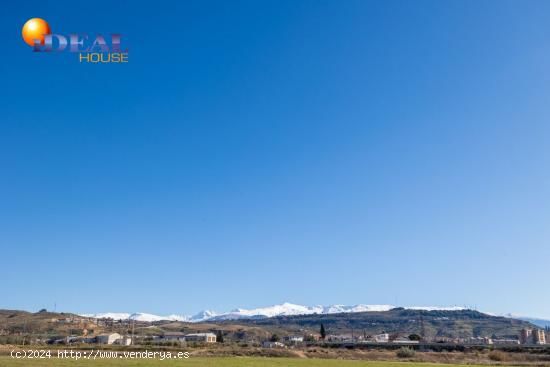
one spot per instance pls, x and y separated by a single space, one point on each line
35 29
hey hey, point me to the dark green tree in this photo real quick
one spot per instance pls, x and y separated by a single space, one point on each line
323 332
219 337
274 338
415 337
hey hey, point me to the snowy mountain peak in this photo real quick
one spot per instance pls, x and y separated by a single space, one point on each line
202 316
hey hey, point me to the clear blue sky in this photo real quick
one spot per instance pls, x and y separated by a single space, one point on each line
251 153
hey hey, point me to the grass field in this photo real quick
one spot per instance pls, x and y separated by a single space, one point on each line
210 362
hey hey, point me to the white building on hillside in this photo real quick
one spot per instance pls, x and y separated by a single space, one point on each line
201 337
175 336
293 339
268 344
381 338
110 338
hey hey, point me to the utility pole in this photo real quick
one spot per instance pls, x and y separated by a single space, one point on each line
24 330
422 328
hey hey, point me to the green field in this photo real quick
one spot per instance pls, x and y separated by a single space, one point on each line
212 362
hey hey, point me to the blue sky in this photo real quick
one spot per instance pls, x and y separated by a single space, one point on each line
255 152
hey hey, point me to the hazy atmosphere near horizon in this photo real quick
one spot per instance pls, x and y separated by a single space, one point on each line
257 152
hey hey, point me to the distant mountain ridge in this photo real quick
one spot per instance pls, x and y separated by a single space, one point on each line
431 323
533 320
284 309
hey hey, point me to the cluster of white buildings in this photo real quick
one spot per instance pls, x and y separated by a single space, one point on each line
117 339
526 337
113 338
340 338
285 341
378 338
181 337
485 341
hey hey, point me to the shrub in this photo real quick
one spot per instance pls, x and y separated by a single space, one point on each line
498 356
405 352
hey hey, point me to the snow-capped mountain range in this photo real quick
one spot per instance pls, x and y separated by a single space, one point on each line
284 309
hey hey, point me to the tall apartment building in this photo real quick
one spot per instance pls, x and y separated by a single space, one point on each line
526 336
539 337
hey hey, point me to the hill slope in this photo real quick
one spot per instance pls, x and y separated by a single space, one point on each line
460 323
